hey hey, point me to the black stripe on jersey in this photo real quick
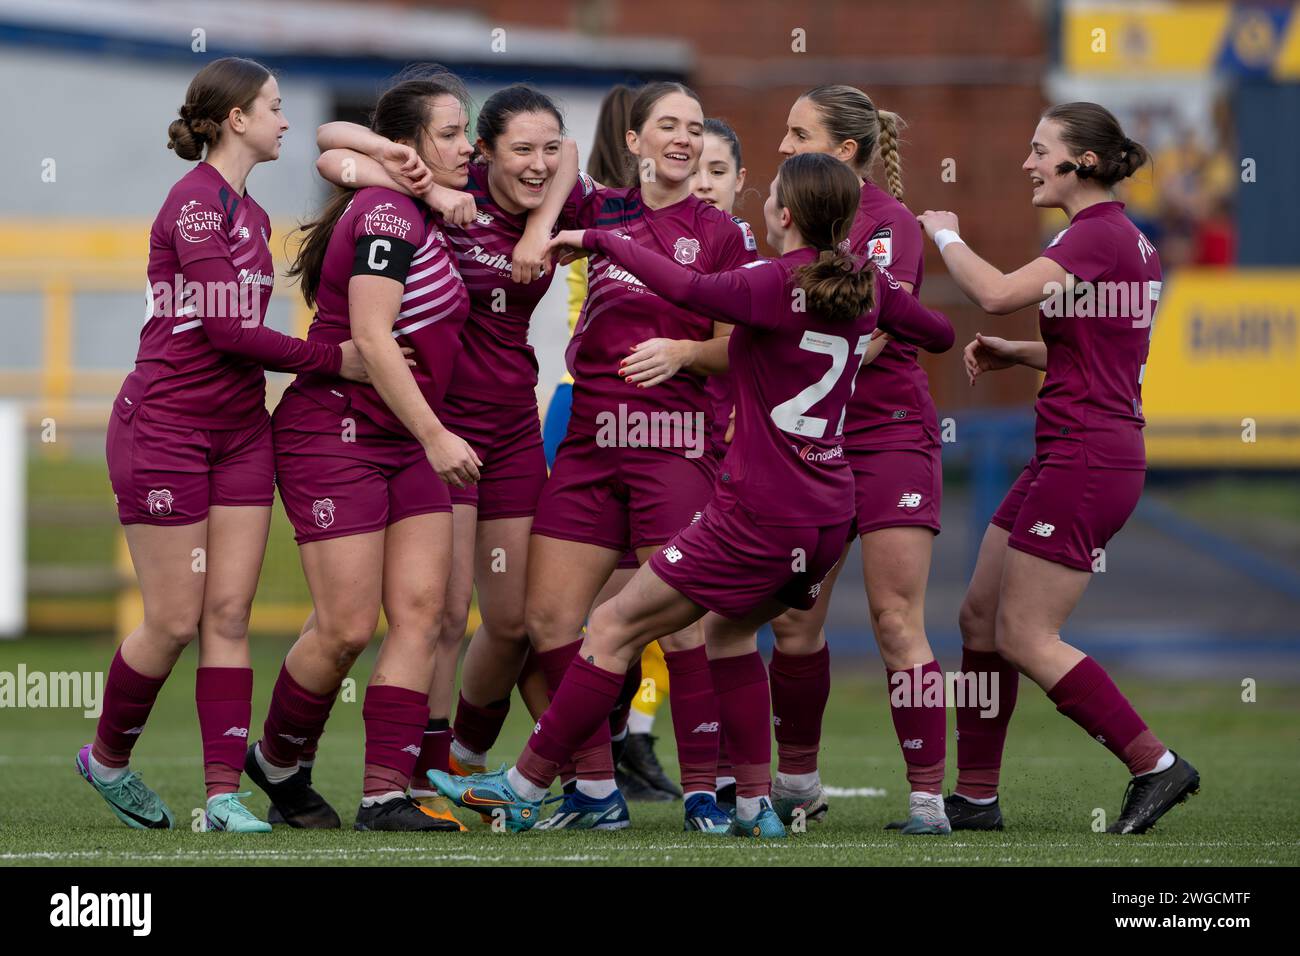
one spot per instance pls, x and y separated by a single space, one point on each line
616 209
383 256
228 204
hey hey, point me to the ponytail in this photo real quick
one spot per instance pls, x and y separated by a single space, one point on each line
890 123
836 288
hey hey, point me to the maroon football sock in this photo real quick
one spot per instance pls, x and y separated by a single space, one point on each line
801 685
224 697
631 684
395 719
579 711
1088 696
477 728
921 723
745 705
435 753
695 718
296 716
128 698
980 739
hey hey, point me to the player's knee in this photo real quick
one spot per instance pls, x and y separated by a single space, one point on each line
173 629
452 627
796 634
346 636
227 618
895 632
506 625
977 623
607 630
549 626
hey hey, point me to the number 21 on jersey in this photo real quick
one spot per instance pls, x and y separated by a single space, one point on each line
792 416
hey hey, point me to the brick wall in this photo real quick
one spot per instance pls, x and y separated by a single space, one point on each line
966 75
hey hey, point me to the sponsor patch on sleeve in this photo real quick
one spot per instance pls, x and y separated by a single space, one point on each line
386 219
588 184
197 220
751 244
880 247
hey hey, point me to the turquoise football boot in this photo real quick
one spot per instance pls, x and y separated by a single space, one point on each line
490 795
135 804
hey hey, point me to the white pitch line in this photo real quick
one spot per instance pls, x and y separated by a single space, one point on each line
528 853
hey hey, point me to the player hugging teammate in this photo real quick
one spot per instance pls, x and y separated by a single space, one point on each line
409 457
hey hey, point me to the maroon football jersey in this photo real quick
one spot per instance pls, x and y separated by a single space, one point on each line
385 232
1097 350
210 278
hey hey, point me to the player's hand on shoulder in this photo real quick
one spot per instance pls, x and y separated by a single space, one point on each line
453 459
455 207
932 221
406 168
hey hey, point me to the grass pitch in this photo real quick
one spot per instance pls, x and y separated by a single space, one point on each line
1248 812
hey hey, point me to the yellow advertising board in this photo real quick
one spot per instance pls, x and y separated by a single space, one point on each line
1222 383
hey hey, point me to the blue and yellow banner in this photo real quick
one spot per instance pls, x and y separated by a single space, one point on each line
1135 39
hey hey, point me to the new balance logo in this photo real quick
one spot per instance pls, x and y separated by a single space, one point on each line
411 749
909 500
293 740
672 554
708 727
1042 529
237 732
913 744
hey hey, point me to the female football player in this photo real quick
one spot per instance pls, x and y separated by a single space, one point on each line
1089 464
363 470
189 444
635 465
491 400
892 442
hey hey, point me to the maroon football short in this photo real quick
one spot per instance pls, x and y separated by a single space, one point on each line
728 563
897 488
621 498
1064 510
333 487
508 440
164 473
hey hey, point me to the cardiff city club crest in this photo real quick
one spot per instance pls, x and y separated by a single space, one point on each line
160 502
322 509
686 250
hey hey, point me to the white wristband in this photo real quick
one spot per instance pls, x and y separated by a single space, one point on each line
945 236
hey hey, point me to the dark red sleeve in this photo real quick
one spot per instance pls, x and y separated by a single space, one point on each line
750 295
242 333
1085 249
906 319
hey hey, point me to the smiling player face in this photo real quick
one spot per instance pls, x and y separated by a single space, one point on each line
524 160
672 139
444 142
1051 189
